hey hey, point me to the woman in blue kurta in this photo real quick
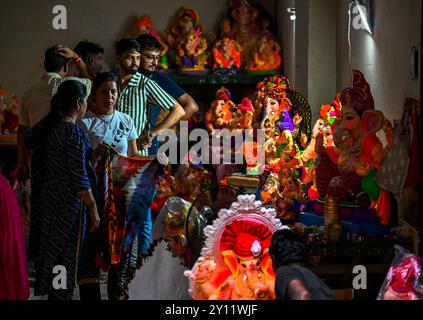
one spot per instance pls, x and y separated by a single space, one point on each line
62 201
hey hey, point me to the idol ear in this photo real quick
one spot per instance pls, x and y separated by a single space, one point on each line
372 121
231 261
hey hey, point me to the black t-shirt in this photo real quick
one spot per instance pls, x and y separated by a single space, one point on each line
317 288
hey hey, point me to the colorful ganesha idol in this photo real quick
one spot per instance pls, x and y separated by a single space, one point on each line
235 263
277 105
219 116
360 154
144 25
227 56
266 56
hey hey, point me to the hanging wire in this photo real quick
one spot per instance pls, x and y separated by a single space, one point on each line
349 42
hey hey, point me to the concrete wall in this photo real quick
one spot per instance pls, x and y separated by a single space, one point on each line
301 46
383 57
321 54
319 49
310 49
26 28
286 32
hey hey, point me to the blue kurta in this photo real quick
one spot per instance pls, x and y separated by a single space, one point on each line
60 170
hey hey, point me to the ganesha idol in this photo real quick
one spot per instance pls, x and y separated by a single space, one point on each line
242 115
187 43
244 26
188 21
266 56
277 105
235 263
144 25
346 175
192 53
219 116
227 56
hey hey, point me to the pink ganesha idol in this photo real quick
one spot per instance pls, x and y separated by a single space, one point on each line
349 177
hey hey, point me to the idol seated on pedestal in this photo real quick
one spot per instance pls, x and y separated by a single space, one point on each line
188 21
192 55
266 56
345 172
227 57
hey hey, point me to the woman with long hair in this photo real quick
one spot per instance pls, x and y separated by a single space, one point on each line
63 208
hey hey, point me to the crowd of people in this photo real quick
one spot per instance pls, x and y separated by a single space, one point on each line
67 119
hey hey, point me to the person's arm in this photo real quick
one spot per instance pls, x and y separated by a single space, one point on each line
133 149
79 182
189 105
297 291
84 71
175 91
89 202
157 96
173 118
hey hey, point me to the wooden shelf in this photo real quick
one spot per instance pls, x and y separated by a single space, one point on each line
209 78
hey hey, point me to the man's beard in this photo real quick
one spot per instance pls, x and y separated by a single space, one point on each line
127 70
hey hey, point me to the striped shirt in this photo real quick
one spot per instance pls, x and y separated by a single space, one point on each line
140 94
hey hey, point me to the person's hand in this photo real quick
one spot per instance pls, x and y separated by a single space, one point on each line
99 152
145 141
94 218
22 174
65 51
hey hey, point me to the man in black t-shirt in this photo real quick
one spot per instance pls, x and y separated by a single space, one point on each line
294 281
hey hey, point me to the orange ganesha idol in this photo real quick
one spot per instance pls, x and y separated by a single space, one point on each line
219 115
235 263
226 56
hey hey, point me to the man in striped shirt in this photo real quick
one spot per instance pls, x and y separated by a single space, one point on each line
138 93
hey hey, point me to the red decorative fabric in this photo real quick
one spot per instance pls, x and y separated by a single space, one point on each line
404 275
240 235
